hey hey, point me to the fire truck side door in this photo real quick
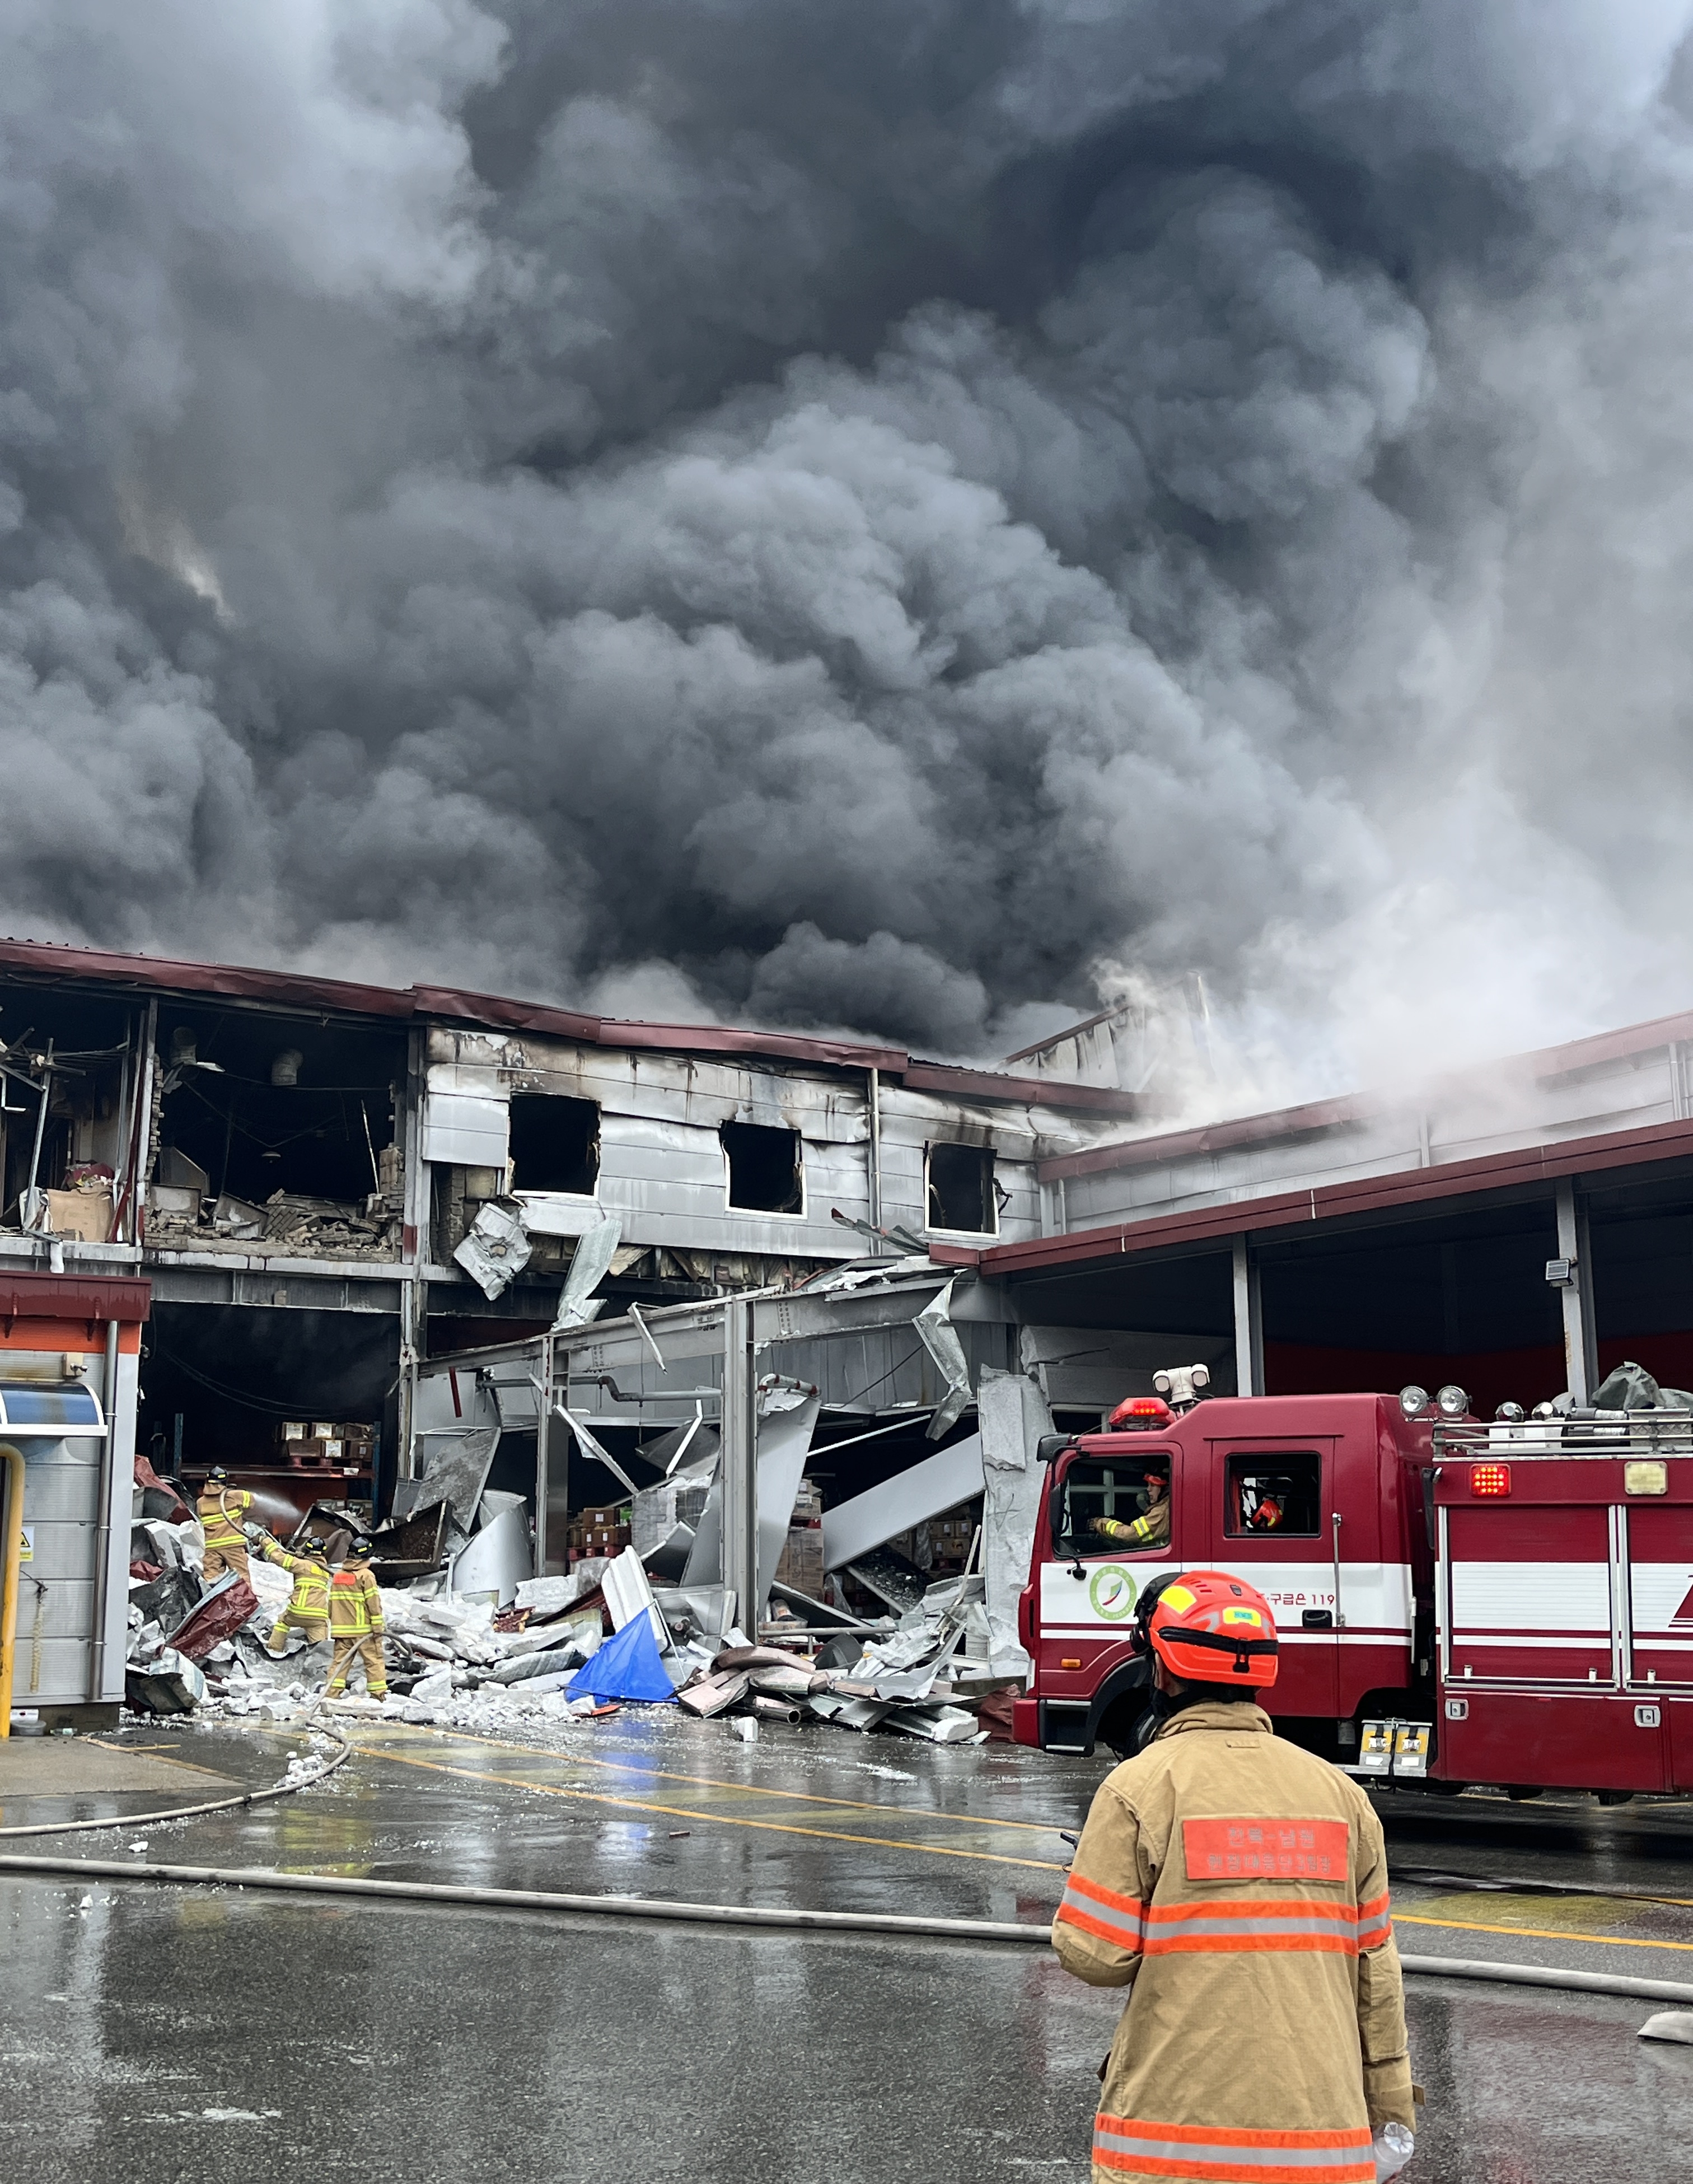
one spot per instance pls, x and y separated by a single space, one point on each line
1272 1509
1090 1587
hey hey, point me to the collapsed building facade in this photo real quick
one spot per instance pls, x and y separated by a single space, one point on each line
328 1188
361 1211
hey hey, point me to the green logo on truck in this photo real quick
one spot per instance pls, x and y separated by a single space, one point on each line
1111 1593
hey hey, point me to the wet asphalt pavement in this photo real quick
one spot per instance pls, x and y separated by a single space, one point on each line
165 2034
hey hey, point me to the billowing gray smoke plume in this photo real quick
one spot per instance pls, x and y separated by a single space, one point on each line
902 515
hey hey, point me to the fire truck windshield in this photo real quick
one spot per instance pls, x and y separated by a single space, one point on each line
1113 1505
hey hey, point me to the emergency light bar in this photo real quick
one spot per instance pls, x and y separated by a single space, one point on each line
1140 1413
1490 1480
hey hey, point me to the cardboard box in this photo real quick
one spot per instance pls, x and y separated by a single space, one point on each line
801 1565
84 1216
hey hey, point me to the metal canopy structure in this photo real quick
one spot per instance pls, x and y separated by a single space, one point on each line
712 1358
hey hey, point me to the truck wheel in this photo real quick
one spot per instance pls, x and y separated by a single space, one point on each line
1117 1730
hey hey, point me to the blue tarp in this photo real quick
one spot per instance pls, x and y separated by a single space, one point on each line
625 1667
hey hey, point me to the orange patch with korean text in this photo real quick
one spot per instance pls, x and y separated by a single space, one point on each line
1250 1849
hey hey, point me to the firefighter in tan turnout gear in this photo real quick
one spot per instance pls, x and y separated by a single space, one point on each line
355 1624
1152 1528
222 1512
1241 1886
308 1608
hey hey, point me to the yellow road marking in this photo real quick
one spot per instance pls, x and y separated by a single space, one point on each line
1536 1933
190 1766
726 1820
744 1789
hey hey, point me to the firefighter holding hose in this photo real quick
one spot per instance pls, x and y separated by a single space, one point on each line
308 1608
1239 1887
222 1512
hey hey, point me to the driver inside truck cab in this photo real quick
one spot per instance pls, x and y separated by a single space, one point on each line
1152 1528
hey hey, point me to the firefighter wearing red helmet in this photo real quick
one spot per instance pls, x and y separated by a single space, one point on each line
1241 1886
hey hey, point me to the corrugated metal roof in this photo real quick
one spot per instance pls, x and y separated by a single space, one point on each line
1367 1194
136 973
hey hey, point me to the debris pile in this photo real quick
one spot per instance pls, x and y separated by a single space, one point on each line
186 1218
472 1641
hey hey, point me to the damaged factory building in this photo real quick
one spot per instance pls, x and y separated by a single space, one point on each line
703 1364
672 1321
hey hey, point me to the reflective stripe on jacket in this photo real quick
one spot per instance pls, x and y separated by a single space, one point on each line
1151 1530
355 1604
1241 1885
221 1510
310 1601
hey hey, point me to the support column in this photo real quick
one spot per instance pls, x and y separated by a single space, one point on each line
739 1467
1249 1322
1576 1295
873 1093
544 1420
415 1247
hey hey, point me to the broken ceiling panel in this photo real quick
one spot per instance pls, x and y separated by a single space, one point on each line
456 1469
938 1335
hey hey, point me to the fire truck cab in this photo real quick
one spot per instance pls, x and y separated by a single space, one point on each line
1458 1603
1319 1500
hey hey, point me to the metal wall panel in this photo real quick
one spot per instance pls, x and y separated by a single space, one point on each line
466 1129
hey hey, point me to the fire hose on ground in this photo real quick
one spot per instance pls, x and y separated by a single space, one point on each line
753 1918
750 1917
284 1789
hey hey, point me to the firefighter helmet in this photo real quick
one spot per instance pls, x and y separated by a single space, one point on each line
1208 1627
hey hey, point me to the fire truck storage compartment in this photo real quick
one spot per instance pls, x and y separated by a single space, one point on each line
1574 1740
1566 1602
1531 1589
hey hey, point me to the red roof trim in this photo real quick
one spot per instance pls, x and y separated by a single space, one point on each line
455 1004
502 1015
724 1038
233 981
1362 1195
1213 1138
1610 1045
74 1296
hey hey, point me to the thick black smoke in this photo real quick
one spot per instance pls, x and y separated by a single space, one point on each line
899 516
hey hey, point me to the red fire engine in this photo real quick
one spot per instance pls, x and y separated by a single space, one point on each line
1458 1602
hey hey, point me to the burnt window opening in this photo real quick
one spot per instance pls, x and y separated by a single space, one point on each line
83 1054
555 1143
764 1171
258 1102
961 1192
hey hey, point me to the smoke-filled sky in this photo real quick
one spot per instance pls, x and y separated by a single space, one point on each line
904 514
